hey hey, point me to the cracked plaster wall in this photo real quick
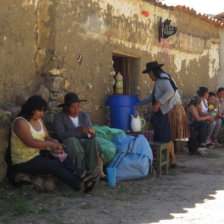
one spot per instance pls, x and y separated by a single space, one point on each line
18 49
98 28
220 80
39 35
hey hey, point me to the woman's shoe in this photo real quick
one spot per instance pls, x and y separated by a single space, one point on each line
173 166
216 142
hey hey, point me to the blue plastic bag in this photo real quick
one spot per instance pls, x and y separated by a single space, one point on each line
134 157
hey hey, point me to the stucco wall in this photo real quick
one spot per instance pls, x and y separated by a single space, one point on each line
18 49
220 80
40 35
98 28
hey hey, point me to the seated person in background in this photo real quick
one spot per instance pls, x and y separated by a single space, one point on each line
29 136
203 110
212 106
74 128
220 102
203 94
198 124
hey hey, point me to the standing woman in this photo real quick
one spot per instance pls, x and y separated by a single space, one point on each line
169 118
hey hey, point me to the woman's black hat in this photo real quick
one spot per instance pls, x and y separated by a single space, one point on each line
70 98
152 65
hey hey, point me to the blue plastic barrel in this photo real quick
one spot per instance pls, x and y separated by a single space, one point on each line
121 107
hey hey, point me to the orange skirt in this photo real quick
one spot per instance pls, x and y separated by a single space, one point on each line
178 123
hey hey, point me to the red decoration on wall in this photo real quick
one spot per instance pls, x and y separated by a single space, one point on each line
145 13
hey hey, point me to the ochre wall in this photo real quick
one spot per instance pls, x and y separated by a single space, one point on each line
97 29
18 49
40 35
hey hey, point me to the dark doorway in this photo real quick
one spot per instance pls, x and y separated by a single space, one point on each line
129 68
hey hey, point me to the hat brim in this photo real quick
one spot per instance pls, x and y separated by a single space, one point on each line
153 67
76 101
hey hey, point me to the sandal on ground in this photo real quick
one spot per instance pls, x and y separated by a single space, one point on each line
87 187
91 174
173 166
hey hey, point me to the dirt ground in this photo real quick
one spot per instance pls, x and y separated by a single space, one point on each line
193 193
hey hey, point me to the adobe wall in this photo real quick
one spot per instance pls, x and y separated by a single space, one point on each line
18 50
97 29
220 80
46 35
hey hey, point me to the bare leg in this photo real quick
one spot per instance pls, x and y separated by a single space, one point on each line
171 153
100 162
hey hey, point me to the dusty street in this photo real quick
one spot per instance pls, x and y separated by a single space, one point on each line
191 194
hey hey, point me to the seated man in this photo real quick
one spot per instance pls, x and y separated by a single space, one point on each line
74 128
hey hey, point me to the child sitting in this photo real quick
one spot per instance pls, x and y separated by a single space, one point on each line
212 106
213 126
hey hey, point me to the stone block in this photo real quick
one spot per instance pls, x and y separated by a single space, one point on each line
57 96
57 72
3 170
53 106
21 99
66 84
4 145
4 135
53 83
5 117
43 92
15 110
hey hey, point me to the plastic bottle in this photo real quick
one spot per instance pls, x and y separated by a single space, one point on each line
119 84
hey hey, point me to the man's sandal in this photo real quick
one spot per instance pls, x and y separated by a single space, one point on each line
88 188
91 174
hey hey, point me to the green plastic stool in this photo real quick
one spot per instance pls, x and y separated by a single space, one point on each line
161 157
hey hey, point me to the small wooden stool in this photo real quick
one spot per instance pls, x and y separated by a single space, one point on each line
161 154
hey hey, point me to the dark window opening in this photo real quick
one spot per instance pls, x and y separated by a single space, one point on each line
129 67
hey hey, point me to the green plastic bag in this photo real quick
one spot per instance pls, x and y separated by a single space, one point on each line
107 132
109 149
105 136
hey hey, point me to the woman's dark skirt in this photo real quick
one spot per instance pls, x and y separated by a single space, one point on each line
161 126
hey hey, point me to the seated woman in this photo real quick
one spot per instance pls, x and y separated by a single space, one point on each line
29 136
198 124
213 124
74 128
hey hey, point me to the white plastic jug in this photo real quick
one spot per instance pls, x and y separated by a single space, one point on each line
136 123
